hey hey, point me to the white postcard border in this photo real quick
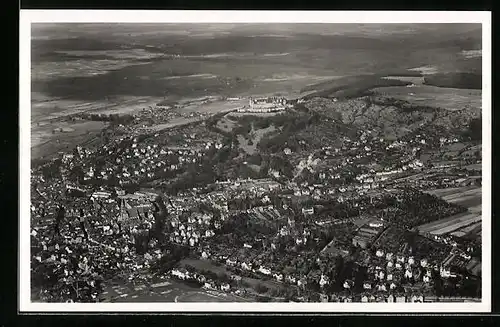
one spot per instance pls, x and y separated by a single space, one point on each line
109 16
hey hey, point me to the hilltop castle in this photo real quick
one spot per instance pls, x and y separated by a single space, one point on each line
269 104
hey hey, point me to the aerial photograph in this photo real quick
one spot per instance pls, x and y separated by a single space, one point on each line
256 162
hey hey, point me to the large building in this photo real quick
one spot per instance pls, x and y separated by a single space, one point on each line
270 104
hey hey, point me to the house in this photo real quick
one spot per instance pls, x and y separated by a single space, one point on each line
417 298
202 279
235 278
347 284
225 287
264 271
391 299
231 262
178 274
279 277
323 281
307 211
246 266
208 285
446 273
364 299
367 286
400 299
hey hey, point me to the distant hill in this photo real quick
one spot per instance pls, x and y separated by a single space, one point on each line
350 86
395 119
327 50
455 80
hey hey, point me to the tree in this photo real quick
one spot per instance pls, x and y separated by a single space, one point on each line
160 215
61 212
260 288
438 285
360 277
314 297
76 174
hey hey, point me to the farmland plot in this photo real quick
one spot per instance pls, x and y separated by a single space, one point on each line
464 196
466 230
450 224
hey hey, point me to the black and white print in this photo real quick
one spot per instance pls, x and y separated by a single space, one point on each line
244 163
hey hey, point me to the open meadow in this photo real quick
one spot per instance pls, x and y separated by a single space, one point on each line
50 138
432 96
460 225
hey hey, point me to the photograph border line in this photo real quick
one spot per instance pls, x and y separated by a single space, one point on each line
356 17
252 16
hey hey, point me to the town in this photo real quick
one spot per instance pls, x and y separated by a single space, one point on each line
302 204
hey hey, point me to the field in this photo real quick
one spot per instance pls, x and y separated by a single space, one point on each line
474 167
255 136
43 109
183 77
225 124
86 61
417 80
258 114
163 290
469 197
468 223
433 96
351 86
178 121
461 80
159 61
425 70
472 229
450 224
212 106
47 139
